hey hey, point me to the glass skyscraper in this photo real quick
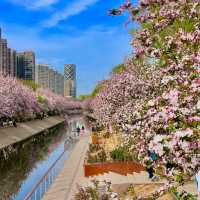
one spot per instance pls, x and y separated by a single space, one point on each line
26 65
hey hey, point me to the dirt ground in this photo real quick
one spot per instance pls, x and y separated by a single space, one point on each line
143 190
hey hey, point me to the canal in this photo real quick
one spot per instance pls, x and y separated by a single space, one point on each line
29 171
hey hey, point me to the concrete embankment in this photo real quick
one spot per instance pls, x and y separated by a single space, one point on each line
23 131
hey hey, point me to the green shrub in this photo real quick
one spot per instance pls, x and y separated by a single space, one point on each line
120 154
96 154
41 99
94 148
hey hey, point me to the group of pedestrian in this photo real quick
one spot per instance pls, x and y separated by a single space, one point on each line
40 115
79 130
7 121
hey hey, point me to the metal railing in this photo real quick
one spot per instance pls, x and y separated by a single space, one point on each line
43 185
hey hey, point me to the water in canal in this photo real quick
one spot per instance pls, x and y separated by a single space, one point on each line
21 173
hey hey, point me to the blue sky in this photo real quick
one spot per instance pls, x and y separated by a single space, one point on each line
68 31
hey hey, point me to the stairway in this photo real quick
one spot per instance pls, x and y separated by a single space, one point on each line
123 168
134 178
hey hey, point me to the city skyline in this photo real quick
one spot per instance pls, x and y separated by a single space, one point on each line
5 49
22 65
74 39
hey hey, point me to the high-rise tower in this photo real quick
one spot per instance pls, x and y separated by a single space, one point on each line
42 75
7 58
0 53
70 80
26 65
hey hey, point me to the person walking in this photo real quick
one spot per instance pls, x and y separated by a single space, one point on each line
1 122
150 171
14 123
83 128
78 131
153 155
150 163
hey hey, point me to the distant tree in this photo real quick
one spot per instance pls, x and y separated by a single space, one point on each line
84 97
118 68
98 88
31 84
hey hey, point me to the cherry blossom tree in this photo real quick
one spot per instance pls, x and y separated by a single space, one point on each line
159 110
16 100
22 103
57 103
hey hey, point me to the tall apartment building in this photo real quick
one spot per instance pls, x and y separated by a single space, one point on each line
20 65
7 58
4 56
49 78
13 61
59 84
70 80
8 61
42 75
1 59
52 82
26 65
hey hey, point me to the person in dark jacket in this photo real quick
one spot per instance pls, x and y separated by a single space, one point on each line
78 130
150 171
1 122
152 155
14 123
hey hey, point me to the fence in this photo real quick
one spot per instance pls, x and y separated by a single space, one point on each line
45 182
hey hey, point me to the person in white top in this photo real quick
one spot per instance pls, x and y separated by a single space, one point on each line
197 178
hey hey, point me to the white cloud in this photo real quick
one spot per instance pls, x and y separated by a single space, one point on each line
72 9
34 4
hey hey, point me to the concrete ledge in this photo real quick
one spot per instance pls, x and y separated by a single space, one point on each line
23 131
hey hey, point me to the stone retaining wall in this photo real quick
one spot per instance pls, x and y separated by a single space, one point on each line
23 131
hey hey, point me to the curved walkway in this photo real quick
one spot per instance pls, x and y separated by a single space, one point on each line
61 188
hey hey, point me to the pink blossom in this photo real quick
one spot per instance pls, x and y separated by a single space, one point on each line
194 119
172 96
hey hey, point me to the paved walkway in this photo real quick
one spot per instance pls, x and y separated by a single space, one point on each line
12 135
190 187
65 183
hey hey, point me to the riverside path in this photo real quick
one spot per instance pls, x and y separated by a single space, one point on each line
63 184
